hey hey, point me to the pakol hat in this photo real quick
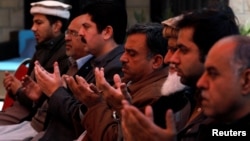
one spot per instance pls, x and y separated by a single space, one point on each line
51 7
172 21
170 29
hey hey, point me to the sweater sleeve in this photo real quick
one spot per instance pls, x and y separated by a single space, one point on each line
100 124
64 106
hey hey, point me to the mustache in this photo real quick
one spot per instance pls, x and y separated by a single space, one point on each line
83 40
123 64
171 65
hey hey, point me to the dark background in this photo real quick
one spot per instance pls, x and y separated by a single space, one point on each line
159 9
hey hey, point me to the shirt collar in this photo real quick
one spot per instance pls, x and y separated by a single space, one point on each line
101 60
81 61
49 44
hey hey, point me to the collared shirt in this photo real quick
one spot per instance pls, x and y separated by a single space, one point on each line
75 65
81 61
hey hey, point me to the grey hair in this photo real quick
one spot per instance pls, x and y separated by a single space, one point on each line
242 52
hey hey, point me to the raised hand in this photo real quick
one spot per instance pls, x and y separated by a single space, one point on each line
31 88
112 95
64 77
48 82
139 127
11 83
84 92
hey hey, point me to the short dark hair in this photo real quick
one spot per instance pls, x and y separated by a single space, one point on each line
54 19
108 13
209 26
155 41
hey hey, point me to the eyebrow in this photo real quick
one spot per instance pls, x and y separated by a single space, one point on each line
128 49
72 30
86 24
178 46
172 47
37 20
210 68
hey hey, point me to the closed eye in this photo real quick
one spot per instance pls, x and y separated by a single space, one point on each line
212 72
183 49
172 49
130 52
85 26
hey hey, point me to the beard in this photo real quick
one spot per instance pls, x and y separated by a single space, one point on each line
172 84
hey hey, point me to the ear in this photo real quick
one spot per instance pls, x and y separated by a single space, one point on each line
245 82
158 61
57 26
107 32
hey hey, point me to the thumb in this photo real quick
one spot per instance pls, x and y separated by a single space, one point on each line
170 122
149 113
125 92
56 70
117 80
6 73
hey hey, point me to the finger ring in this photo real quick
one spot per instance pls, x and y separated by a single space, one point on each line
100 91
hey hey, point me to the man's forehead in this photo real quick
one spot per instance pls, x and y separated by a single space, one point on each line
86 17
172 42
183 30
87 20
39 17
185 35
220 55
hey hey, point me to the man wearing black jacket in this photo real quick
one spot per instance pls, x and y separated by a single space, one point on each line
103 31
